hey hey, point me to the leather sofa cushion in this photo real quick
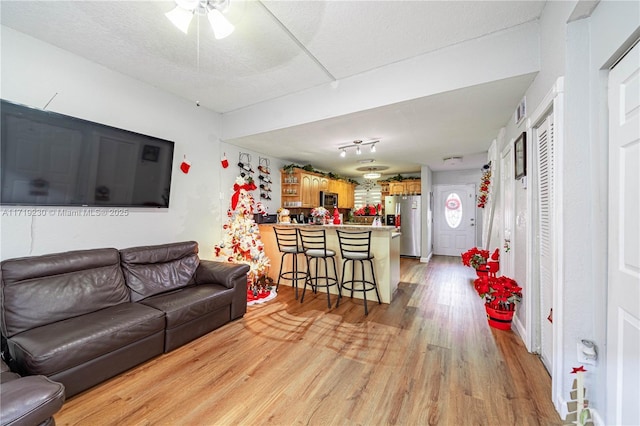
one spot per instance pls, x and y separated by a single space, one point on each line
65 344
40 290
30 400
189 303
151 270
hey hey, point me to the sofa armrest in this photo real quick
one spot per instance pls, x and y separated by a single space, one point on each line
230 275
30 400
226 274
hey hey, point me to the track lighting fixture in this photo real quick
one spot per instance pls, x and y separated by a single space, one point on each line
357 144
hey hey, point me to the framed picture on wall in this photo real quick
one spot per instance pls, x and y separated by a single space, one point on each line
520 150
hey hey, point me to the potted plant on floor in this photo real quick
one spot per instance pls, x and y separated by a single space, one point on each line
479 260
500 296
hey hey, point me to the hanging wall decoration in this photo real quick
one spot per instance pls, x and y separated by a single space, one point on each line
224 161
185 166
485 185
244 162
265 181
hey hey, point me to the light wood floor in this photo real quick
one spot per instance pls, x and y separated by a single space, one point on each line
427 358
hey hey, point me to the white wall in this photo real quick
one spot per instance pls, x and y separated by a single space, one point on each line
592 46
579 51
32 72
426 182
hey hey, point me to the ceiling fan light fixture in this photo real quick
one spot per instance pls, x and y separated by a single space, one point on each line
180 17
183 13
373 147
372 175
221 26
358 151
343 153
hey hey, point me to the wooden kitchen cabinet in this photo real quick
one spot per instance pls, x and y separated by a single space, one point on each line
307 190
345 191
412 186
291 193
302 189
396 188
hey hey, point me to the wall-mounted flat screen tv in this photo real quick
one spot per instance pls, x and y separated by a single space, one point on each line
50 159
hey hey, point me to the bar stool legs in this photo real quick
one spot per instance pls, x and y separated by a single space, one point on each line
365 285
294 275
314 243
355 247
328 281
289 245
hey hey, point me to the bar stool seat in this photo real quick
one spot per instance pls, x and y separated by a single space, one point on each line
314 243
289 244
356 247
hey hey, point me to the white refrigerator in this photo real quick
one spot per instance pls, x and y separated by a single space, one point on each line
409 208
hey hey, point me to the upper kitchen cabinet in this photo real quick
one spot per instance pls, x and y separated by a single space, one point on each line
408 186
345 191
291 184
301 188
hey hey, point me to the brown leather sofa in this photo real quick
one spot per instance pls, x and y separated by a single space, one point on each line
31 400
82 317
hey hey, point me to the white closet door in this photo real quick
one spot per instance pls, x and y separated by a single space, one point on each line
546 179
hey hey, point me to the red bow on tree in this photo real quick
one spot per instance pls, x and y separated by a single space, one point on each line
236 195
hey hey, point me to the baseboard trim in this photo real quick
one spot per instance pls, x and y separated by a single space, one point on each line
563 410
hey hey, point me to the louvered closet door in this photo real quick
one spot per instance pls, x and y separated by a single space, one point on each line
546 176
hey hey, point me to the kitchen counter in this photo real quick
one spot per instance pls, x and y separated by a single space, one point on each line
385 246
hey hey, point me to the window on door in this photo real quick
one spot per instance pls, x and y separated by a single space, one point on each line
453 210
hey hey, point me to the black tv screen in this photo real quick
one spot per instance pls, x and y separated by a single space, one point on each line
50 159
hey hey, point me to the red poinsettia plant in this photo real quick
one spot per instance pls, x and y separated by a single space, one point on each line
368 210
499 292
475 257
478 259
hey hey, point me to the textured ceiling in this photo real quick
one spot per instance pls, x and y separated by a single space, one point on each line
261 61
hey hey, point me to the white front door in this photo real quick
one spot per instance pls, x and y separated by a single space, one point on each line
623 302
454 216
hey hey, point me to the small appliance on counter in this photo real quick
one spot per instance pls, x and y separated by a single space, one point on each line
270 218
328 200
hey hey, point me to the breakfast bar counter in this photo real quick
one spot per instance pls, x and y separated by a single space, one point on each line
385 246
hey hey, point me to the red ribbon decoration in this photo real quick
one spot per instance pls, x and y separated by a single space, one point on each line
236 195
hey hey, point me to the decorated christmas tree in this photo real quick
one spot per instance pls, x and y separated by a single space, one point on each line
241 242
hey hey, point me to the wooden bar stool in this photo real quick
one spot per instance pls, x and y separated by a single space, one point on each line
314 243
356 247
289 244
